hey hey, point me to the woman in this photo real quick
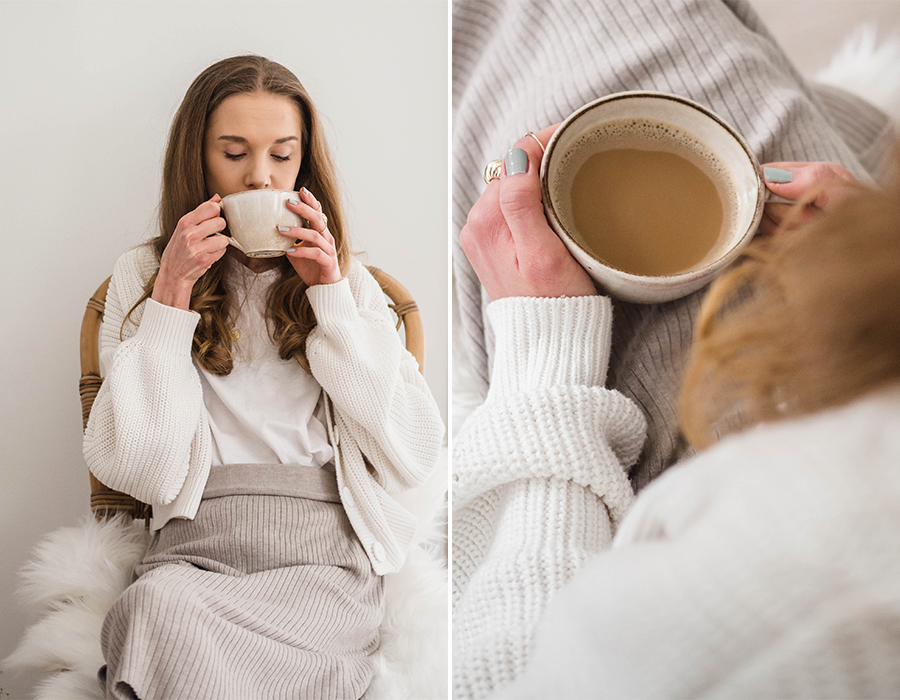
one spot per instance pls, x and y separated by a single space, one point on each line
264 408
766 566
521 65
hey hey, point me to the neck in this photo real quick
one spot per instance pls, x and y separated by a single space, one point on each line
253 264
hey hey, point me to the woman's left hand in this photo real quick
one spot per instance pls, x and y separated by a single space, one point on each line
315 257
822 186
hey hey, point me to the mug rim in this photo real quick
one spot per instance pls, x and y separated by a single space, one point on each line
655 282
242 192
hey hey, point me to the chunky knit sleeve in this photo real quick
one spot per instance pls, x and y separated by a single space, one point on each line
540 479
147 425
356 355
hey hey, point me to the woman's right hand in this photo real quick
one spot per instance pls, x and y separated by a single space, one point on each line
193 248
507 239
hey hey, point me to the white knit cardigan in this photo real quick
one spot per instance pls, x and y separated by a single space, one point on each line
148 433
766 566
539 480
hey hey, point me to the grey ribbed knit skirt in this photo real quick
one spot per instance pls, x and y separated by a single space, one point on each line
267 593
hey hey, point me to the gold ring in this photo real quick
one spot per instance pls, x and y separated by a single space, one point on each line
492 171
325 220
534 136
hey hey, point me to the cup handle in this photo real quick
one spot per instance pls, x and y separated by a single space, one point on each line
235 244
772 198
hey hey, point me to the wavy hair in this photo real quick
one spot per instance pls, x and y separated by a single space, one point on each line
184 188
806 321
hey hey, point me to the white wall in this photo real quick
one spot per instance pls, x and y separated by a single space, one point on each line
87 92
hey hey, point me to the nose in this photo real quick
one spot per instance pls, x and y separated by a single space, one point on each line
258 175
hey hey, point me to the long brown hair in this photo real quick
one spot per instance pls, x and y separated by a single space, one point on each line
184 189
809 319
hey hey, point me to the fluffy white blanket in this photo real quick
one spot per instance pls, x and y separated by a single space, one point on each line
76 573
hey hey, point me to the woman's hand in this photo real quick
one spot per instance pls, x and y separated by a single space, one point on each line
194 246
507 239
315 258
820 185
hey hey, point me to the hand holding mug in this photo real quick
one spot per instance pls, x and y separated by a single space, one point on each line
819 186
507 239
193 248
315 257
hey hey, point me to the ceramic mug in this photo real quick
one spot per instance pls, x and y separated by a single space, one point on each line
593 128
253 218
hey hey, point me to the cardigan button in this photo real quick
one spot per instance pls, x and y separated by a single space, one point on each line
347 498
378 553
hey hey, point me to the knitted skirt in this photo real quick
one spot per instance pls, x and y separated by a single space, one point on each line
267 593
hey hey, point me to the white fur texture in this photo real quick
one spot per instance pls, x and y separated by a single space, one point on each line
868 69
76 573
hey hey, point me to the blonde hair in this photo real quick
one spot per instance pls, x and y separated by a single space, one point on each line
184 189
809 319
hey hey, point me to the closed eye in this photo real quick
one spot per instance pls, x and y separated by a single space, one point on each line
238 156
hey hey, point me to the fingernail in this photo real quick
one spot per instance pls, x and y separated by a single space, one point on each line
294 202
290 250
284 229
304 190
516 161
778 175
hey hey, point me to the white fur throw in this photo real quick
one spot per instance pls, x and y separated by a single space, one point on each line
76 573
868 68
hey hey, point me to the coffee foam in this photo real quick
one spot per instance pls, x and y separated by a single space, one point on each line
647 135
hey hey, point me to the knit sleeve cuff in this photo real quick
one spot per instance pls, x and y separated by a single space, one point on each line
332 302
544 342
167 329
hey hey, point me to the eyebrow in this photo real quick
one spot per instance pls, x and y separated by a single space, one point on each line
241 139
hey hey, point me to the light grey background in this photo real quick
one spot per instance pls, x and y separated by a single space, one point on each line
87 93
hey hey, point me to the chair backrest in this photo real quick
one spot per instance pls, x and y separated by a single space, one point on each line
105 501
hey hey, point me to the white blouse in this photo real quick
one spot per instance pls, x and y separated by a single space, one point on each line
267 410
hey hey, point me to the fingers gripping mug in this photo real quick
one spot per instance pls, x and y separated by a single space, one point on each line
653 194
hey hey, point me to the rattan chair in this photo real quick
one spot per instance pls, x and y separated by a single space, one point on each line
105 501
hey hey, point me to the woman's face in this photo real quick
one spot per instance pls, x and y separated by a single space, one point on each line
253 141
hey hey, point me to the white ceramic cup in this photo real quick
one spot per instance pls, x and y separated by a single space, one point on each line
253 219
583 133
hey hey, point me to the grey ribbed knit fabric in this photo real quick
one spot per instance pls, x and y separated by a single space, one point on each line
267 593
521 65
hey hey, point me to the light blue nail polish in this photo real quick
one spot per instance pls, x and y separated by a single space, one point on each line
516 161
294 202
778 175
304 190
290 250
284 229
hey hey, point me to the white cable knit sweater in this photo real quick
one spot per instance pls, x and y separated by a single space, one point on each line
765 567
148 434
539 479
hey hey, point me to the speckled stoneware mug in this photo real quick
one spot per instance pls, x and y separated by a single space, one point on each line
732 166
253 219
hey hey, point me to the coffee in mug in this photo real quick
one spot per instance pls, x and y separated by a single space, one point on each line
652 193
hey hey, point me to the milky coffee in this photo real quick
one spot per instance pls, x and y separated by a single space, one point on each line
644 196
